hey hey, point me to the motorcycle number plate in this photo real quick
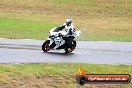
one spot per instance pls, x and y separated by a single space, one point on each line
57 41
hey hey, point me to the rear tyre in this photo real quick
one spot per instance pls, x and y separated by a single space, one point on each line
70 47
45 46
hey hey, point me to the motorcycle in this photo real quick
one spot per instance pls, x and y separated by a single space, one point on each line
61 39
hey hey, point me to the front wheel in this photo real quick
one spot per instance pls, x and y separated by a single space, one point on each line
70 47
45 46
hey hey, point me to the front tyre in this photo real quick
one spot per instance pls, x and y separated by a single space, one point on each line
45 46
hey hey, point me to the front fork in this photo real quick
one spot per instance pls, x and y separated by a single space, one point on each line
52 43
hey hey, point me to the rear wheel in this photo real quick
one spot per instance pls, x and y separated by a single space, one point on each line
45 46
70 47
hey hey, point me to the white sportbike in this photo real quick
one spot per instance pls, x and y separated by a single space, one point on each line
61 39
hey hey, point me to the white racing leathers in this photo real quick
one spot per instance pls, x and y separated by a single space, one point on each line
58 40
69 30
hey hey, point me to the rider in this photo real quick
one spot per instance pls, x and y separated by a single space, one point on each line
67 25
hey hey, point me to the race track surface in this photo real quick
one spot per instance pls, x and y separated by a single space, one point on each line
98 52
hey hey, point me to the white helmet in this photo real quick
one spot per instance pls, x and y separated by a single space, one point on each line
68 21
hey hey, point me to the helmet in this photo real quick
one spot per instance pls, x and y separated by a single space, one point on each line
68 21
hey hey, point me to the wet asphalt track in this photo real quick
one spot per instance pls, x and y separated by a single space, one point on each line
99 52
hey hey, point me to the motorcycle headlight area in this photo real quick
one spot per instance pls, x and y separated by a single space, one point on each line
53 34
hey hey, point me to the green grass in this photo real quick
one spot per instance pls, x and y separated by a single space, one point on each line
107 20
56 75
24 29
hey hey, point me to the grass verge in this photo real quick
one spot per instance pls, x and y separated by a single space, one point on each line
56 75
97 19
